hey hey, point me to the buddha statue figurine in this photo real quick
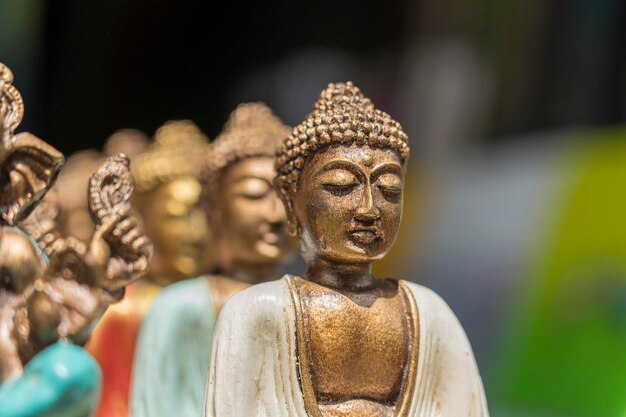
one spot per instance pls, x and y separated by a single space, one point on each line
168 199
168 203
73 218
338 341
50 300
250 242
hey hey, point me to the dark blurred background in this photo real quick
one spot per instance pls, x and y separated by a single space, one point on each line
514 202
493 68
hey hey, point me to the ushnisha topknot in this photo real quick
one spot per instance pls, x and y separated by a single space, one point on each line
252 130
342 115
177 152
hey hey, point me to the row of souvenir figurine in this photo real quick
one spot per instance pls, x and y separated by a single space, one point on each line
210 330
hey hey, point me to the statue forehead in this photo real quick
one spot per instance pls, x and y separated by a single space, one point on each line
185 190
257 166
363 156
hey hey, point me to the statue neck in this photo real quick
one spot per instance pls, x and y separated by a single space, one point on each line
342 276
228 265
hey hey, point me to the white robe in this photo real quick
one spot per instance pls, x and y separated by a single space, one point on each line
254 369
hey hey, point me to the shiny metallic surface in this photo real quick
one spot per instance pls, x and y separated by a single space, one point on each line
168 202
60 293
341 177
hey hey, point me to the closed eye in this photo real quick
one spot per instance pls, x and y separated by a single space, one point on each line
339 190
338 181
252 188
390 185
391 194
391 189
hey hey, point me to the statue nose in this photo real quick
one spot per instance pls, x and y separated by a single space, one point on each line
367 215
276 214
196 227
367 212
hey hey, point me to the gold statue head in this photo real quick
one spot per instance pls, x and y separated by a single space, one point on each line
130 142
74 219
168 200
245 214
28 165
340 175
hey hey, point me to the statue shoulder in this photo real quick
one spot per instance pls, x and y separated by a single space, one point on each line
182 297
260 303
430 305
422 293
451 359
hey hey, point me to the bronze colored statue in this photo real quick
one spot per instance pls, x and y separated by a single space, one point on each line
250 242
69 216
168 201
58 295
73 217
339 341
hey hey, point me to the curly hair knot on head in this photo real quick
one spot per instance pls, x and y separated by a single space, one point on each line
341 116
177 152
252 130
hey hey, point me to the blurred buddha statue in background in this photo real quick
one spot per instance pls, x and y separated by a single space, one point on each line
130 142
338 341
250 242
74 219
167 199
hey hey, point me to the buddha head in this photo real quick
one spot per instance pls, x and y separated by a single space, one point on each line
74 219
168 201
130 142
244 211
340 176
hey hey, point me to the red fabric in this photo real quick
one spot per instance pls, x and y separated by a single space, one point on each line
112 344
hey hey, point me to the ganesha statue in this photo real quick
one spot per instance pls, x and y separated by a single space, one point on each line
54 289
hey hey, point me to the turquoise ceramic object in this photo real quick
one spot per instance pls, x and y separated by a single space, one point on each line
173 352
61 381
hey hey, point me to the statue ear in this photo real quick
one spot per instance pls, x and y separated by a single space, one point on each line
28 168
285 196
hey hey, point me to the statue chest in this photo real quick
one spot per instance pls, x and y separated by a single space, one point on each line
357 347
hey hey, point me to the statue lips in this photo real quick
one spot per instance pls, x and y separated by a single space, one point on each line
270 244
365 236
271 238
273 235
